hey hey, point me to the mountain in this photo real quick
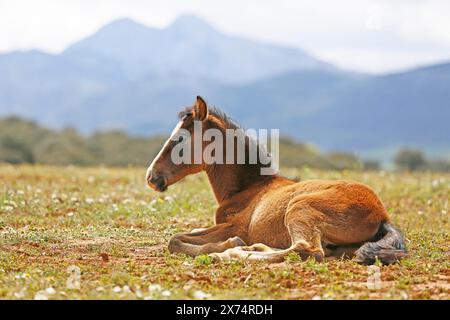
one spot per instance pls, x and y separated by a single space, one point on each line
133 77
48 87
373 116
409 108
191 47
126 66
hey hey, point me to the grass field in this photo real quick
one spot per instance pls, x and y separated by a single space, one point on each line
108 225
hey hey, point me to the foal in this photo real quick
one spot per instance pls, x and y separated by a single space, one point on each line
266 217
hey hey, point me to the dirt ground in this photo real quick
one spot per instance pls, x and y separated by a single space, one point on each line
100 233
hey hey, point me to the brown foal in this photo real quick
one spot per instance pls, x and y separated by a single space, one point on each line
266 217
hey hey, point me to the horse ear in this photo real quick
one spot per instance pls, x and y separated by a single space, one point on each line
200 109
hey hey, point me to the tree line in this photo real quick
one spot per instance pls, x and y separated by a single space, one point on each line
23 141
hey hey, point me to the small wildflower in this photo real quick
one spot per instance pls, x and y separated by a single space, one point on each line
126 289
41 295
166 293
154 287
50 290
117 289
201 295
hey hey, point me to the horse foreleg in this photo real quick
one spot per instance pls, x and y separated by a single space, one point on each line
215 239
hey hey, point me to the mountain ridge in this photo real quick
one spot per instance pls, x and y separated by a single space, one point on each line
191 46
130 76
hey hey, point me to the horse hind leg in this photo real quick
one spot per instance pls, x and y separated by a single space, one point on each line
305 238
267 254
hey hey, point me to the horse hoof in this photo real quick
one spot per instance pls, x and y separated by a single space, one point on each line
238 242
219 257
215 257
318 256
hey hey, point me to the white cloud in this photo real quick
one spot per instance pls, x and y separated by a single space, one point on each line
366 35
428 21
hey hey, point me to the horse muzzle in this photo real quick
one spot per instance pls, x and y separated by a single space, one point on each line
157 182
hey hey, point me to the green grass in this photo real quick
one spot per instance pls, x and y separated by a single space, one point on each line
115 230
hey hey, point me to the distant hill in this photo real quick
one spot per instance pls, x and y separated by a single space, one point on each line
23 141
189 47
370 115
132 77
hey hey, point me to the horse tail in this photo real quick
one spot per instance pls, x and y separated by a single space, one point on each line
388 247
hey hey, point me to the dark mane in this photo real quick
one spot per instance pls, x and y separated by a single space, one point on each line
227 120
216 112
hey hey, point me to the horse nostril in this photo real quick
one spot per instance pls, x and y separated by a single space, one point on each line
149 177
156 181
159 182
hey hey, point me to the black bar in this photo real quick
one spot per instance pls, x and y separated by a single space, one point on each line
221 309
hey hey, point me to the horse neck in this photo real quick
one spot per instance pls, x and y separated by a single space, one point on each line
227 180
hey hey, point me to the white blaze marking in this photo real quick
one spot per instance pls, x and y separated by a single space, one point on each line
174 132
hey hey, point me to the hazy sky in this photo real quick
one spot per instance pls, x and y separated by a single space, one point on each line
366 35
